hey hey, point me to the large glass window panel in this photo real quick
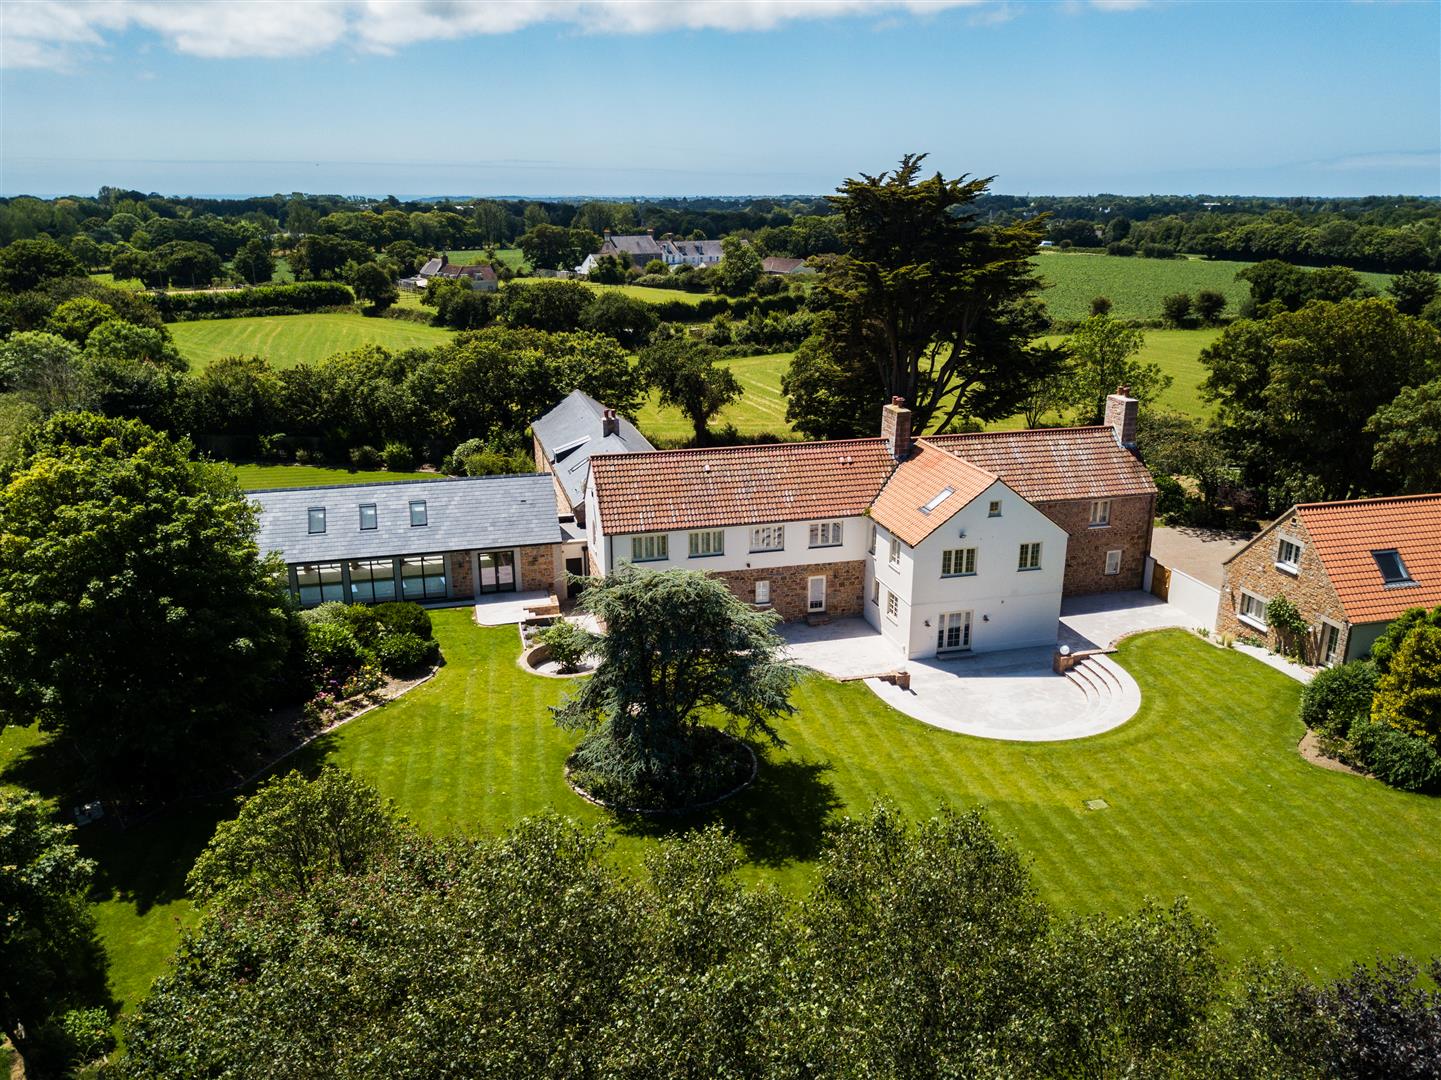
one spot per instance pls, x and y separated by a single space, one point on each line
318 582
412 577
497 571
372 581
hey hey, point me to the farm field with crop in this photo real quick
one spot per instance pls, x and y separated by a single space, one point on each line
287 340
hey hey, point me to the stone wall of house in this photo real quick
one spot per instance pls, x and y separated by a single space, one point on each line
540 567
1254 569
562 501
460 574
1129 531
790 585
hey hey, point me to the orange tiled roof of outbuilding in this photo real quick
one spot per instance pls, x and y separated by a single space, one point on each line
1344 534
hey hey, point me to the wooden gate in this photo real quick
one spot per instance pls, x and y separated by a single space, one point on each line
1160 581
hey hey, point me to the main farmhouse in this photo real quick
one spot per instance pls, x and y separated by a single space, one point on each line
943 544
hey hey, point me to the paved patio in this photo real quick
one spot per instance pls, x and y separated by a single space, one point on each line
501 609
1012 695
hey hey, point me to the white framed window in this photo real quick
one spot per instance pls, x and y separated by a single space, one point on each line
763 593
895 553
315 520
1113 562
816 593
1288 555
368 518
995 509
1252 610
1030 556
419 516
958 562
1100 513
652 548
875 591
707 542
768 538
893 605
825 534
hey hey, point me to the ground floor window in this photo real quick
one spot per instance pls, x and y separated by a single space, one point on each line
319 582
763 592
497 571
1113 562
893 605
372 581
422 577
1253 610
954 632
1330 643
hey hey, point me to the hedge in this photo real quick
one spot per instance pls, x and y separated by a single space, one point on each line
290 299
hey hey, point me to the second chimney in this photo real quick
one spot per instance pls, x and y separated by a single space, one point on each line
896 428
609 423
1121 413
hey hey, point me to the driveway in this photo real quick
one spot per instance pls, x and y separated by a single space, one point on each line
1196 551
1012 695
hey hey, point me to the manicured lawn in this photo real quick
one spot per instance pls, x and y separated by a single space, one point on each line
257 477
1207 796
1135 286
287 340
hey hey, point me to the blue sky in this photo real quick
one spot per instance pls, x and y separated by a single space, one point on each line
577 97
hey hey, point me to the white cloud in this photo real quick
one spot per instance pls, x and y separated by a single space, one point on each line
57 34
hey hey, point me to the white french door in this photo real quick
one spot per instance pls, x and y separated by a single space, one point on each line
955 631
816 594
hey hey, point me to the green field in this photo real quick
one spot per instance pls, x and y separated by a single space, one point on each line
1208 797
287 340
1135 286
511 257
761 411
259 477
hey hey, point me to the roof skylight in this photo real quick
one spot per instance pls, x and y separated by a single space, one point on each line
945 493
1393 570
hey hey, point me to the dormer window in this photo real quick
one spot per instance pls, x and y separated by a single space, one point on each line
368 519
418 515
317 520
1393 570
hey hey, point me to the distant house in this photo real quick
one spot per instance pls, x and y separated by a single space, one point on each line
1349 568
640 247
432 541
691 252
775 264
566 438
477 276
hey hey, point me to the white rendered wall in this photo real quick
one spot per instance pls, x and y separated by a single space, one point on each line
1011 608
739 556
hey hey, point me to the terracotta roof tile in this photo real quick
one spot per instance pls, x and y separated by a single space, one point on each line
1051 464
738 485
922 477
1344 534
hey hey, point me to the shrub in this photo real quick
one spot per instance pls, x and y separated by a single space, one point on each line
568 643
399 457
1157 251
1170 496
307 456
403 617
1395 758
1100 305
366 457
66 1042
1210 304
1338 697
1385 646
1408 696
1121 248
331 651
364 623
332 611
1176 308
1283 617
287 299
495 463
406 654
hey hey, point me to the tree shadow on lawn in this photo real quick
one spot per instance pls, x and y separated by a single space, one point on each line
143 861
779 819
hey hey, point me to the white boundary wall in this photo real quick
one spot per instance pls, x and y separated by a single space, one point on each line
1198 600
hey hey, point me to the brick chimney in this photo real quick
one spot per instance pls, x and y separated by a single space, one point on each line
609 423
896 428
1121 412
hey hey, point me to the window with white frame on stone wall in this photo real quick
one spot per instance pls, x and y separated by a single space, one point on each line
707 542
1252 610
1288 554
653 548
1113 562
825 534
958 562
763 593
768 538
1100 513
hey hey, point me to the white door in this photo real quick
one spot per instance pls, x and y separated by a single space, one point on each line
816 594
1330 639
955 631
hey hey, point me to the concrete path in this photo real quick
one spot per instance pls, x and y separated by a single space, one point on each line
501 609
842 648
1098 622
